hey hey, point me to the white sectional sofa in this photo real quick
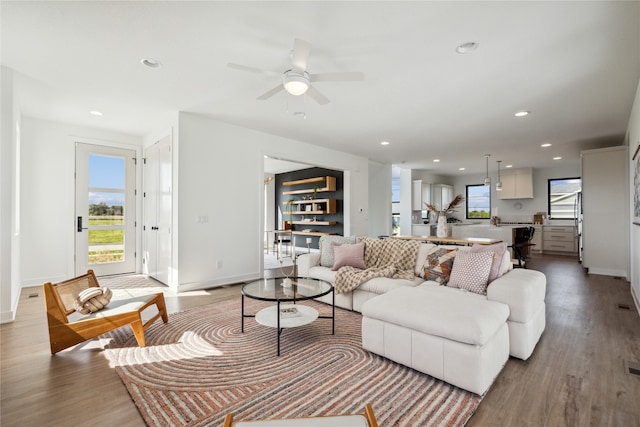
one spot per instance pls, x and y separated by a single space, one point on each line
461 337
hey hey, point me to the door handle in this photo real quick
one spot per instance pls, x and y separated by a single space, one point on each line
80 228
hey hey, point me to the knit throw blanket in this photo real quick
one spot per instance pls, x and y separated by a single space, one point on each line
391 258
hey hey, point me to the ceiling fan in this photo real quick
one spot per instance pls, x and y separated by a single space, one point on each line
296 80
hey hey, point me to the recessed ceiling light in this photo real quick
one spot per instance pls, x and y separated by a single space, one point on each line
151 63
557 158
545 145
509 166
95 113
522 113
300 114
461 169
384 143
467 47
436 160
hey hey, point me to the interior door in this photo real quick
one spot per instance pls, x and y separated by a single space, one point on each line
157 210
105 210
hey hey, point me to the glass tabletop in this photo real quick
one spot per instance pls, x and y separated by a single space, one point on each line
300 289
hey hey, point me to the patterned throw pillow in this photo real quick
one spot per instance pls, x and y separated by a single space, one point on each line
471 271
498 250
438 265
326 251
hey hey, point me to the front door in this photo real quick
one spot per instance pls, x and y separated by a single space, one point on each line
105 209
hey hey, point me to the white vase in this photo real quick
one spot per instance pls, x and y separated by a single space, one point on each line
443 229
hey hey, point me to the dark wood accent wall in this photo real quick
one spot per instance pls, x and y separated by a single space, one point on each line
338 195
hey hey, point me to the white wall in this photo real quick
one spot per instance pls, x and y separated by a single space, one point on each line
220 170
633 138
48 195
379 199
9 194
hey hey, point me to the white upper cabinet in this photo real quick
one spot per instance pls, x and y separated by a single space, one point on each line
516 184
420 195
441 195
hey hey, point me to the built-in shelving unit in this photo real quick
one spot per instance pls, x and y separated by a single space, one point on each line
328 181
310 205
313 207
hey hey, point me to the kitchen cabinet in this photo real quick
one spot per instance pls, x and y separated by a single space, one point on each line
441 195
421 194
516 184
559 238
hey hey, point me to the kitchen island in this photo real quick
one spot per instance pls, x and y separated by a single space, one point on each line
505 233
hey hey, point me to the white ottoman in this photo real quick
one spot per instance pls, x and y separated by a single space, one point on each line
458 337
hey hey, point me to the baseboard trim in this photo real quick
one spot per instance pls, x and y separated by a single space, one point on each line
194 286
608 272
636 299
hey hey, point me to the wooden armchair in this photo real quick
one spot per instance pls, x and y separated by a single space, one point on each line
68 327
367 419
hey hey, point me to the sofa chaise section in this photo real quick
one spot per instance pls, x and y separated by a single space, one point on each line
456 336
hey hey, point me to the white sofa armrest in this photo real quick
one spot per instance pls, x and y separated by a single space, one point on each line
522 290
305 262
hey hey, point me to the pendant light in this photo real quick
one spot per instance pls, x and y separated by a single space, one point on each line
499 183
487 179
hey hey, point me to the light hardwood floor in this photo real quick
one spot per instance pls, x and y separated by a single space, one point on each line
574 378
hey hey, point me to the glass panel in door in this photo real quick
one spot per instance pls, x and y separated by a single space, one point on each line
105 205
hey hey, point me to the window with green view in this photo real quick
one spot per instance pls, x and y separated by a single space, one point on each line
478 201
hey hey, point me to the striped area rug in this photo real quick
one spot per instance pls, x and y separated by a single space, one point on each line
199 367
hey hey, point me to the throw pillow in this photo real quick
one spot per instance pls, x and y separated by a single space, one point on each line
326 251
471 271
423 251
437 266
498 250
92 299
351 255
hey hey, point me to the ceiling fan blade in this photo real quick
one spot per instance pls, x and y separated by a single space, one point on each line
251 69
347 76
271 92
300 55
317 96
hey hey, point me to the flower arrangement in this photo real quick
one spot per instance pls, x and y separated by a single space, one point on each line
457 201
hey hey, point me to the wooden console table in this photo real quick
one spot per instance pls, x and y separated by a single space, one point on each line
451 240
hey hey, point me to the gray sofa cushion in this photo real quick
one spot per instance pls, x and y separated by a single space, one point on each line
326 251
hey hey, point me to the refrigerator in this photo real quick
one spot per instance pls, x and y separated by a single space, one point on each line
577 214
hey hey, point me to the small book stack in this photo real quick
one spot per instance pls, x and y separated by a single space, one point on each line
288 312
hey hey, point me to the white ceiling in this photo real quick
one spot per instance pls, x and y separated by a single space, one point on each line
574 65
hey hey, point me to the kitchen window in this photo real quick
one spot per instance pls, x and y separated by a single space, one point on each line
478 201
564 197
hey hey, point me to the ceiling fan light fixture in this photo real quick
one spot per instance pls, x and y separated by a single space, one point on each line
295 83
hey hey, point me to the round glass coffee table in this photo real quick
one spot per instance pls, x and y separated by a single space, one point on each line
286 313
